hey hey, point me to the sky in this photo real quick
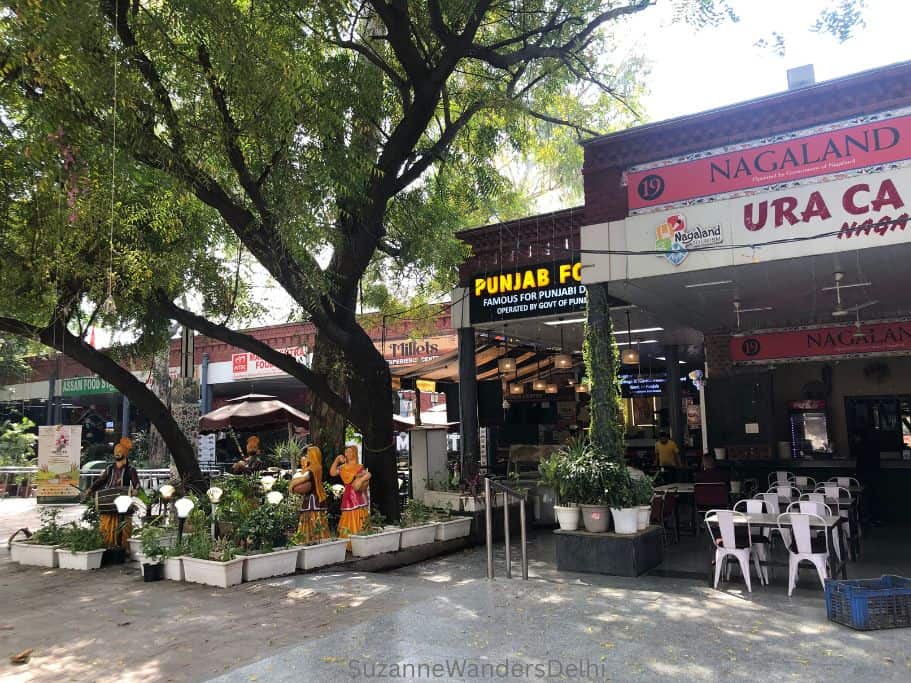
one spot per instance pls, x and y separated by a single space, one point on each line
694 70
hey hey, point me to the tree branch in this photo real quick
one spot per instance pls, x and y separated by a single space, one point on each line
231 134
319 384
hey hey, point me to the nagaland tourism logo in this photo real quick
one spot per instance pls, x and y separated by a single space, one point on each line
676 238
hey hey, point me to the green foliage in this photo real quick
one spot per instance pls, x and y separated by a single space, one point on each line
81 538
289 451
566 471
416 514
51 532
150 537
13 354
17 443
374 524
643 490
599 349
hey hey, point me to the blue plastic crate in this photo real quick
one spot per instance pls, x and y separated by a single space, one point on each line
868 604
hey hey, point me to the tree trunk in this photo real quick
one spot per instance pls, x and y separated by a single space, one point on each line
371 396
327 427
140 396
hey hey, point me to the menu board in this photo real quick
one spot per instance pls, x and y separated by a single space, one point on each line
58 463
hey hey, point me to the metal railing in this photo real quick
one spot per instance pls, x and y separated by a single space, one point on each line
489 485
149 479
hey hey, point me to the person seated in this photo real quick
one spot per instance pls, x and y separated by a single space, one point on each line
711 472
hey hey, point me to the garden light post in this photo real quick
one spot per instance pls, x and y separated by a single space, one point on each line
122 503
166 492
184 507
214 495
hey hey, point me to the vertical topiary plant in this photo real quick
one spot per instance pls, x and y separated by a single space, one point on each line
601 363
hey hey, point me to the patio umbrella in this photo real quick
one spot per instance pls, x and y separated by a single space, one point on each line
253 411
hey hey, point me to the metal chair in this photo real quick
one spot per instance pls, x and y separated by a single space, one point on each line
729 545
806 547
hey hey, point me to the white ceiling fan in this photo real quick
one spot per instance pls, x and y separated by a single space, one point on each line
840 310
739 309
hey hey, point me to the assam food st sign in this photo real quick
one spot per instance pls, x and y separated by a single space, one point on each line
526 292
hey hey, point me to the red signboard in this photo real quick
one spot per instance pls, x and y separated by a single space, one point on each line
809 156
825 341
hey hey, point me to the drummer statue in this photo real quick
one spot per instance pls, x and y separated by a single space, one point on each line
120 478
252 461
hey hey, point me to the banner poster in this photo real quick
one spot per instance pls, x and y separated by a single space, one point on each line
58 463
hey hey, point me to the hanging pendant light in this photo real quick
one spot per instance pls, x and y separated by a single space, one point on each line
505 364
562 360
581 388
630 356
551 389
516 388
539 384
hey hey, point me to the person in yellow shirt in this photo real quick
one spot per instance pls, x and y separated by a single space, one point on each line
667 454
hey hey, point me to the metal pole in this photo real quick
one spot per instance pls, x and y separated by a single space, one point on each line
488 523
524 539
506 535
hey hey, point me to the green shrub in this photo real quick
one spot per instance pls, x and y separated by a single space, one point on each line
82 538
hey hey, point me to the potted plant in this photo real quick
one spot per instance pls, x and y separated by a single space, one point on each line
592 474
559 472
38 549
82 548
263 537
621 496
643 489
440 493
418 525
319 553
375 538
212 563
150 552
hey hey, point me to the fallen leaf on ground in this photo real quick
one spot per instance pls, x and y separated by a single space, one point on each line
22 657
124 623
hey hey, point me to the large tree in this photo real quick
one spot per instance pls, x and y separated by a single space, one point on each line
327 135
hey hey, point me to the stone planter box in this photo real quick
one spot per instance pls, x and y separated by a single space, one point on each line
322 554
266 565
459 527
212 573
384 542
444 500
82 560
34 554
609 553
418 535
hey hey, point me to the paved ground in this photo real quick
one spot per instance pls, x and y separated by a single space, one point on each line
108 625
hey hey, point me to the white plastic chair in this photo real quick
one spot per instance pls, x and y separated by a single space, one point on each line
773 507
810 507
806 546
805 483
726 545
814 497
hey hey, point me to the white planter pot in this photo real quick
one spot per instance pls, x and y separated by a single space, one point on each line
33 554
135 548
173 568
644 512
459 527
375 544
567 516
211 573
83 560
469 504
265 565
596 518
418 535
166 541
444 500
625 520
322 554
